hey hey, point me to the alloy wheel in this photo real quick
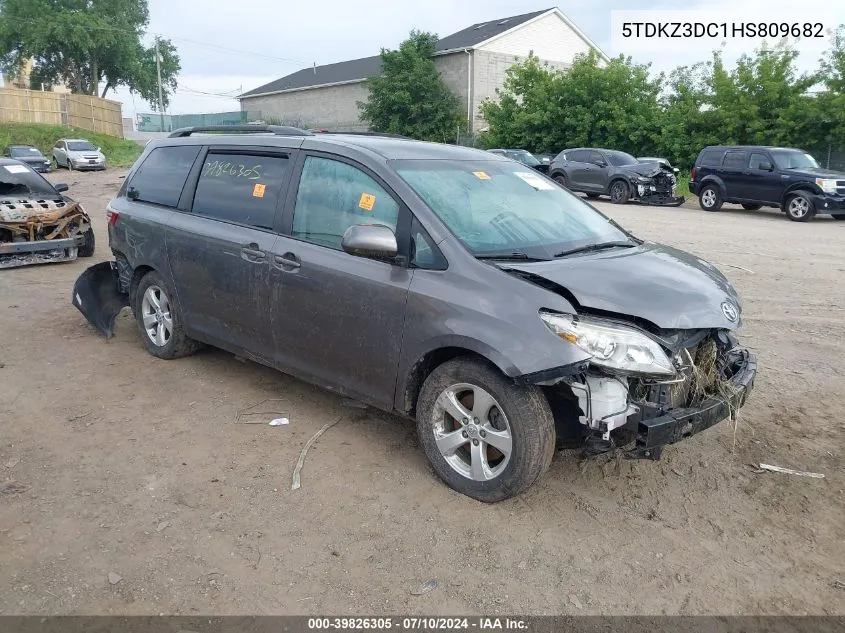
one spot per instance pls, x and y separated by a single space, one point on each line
472 432
799 207
156 316
708 198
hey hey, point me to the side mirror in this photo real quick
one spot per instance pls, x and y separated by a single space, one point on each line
600 163
369 240
61 187
99 149
766 166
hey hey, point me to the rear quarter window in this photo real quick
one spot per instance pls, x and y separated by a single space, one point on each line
710 158
162 175
242 188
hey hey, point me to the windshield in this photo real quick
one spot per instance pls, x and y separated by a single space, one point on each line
793 159
495 208
81 146
19 180
620 159
23 152
526 158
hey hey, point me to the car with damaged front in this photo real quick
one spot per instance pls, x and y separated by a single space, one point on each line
38 224
606 172
502 313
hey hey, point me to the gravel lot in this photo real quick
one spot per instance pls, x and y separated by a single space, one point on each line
127 486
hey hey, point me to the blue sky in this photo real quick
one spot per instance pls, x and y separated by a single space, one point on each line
283 37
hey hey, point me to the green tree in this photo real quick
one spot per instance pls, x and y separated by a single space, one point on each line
92 46
592 103
409 97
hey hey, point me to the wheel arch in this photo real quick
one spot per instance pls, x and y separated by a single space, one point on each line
412 381
713 180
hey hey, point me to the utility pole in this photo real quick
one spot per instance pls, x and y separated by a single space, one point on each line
160 93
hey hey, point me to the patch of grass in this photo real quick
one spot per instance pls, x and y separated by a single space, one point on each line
682 187
119 152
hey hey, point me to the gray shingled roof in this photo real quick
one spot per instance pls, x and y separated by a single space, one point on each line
356 69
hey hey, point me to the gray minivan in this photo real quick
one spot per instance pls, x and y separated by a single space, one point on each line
446 284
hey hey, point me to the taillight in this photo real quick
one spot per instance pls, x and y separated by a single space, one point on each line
692 174
112 216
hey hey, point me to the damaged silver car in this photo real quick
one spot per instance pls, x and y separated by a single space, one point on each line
501 312
38 224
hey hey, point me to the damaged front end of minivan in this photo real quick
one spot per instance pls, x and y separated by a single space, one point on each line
642 391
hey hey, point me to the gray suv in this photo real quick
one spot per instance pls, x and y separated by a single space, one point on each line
446 284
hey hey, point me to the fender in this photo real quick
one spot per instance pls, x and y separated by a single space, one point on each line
713 179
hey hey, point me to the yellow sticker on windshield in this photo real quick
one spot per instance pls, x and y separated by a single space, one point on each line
481 175
258 190
367 201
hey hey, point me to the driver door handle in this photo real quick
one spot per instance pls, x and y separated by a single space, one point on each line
253 254
287 262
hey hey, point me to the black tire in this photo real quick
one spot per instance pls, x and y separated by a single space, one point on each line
709 198
593 196
56 163
529 421
86 249
177 344
68 164
561 180
799 206
620 192
751 207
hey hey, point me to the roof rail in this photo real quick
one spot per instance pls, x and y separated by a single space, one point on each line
352 133
278 130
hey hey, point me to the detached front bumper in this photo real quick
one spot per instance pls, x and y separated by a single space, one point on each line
678 424
662 200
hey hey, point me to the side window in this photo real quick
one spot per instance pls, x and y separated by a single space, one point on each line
162 175
241 188
596 158
710 158
756 159
735 160
578 156
58 145
333 196
424 253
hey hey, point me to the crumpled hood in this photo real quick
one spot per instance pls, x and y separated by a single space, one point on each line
646 169
670 288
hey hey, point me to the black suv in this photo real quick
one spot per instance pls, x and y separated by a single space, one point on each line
786 178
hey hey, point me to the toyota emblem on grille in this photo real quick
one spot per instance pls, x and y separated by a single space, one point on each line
729 310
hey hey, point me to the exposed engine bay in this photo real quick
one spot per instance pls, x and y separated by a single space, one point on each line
654 183
41 230
643 414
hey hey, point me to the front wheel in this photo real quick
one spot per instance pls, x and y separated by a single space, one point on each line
561 180
799 207
159 320
86 249
619 192
484 436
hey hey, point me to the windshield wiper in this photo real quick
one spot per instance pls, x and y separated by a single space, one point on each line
595 247
510 255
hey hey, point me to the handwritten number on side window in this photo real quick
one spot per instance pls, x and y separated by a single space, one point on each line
218 169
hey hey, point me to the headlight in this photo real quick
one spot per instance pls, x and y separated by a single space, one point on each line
828 185
643 180
612 346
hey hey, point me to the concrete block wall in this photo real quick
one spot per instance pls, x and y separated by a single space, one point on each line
331 107
489 69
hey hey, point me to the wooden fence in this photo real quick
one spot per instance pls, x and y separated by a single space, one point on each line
82 111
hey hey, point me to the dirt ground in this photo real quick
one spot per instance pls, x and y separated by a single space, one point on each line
127 486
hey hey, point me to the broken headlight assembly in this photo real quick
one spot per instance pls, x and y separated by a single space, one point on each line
615 347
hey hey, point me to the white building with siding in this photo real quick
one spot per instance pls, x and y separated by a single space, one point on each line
472 62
